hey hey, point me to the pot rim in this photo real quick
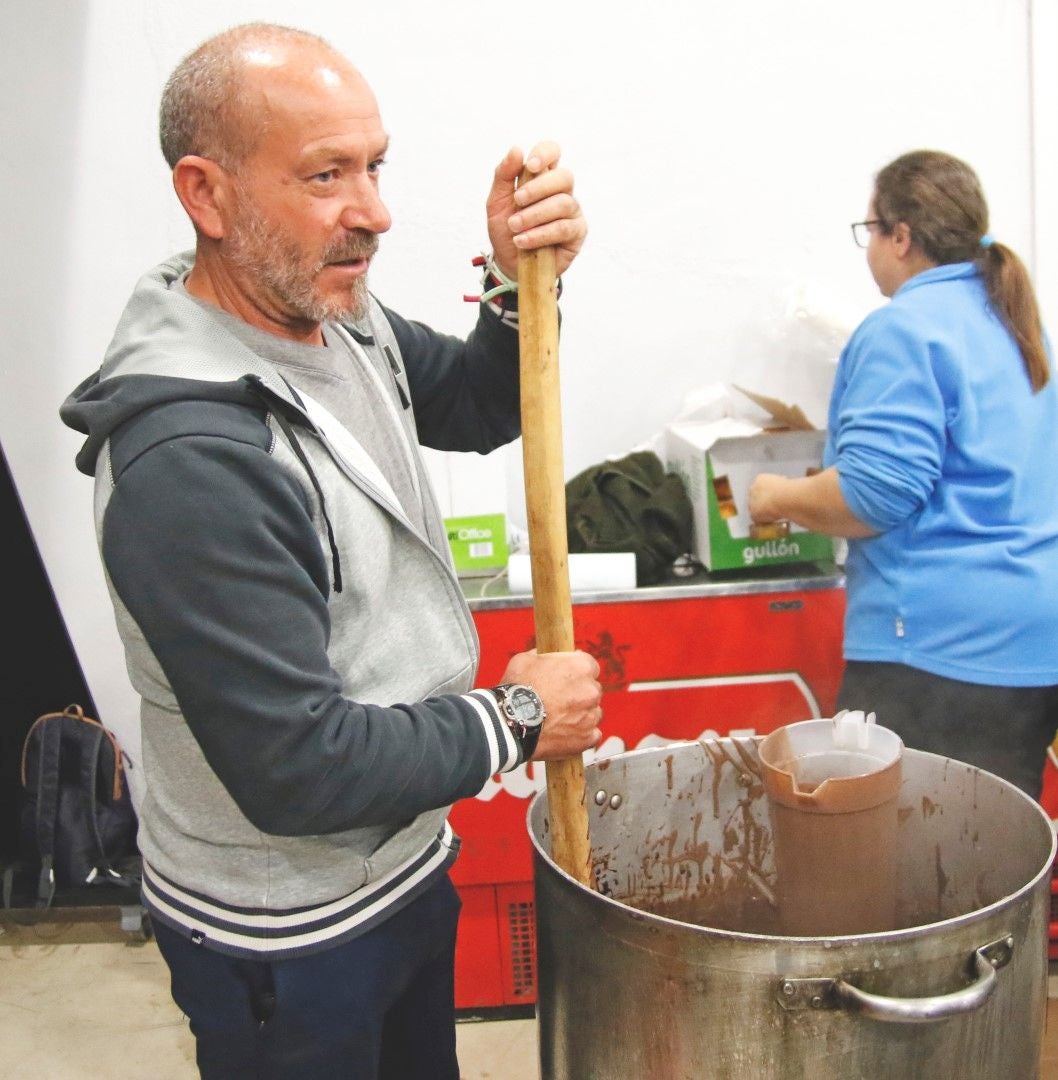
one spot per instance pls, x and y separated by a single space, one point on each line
909 933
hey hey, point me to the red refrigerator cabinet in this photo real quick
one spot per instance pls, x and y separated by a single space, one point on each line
718 654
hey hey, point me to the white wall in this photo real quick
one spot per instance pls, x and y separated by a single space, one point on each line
721 152
1043 167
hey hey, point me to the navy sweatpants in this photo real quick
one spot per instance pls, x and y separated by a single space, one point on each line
379 1007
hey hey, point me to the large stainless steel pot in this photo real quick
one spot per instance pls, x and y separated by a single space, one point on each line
710 990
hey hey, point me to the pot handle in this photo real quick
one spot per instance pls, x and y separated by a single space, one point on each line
987 960
839 994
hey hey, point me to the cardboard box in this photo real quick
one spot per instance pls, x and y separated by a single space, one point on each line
718 461
478 543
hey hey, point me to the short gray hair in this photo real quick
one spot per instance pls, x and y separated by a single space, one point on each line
205 103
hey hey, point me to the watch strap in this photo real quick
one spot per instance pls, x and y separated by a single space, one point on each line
525 736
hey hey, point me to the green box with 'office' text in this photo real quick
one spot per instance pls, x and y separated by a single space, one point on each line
478 543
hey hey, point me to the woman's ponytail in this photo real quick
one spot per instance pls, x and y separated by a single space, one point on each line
1014 300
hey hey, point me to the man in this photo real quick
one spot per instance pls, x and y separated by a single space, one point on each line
281 577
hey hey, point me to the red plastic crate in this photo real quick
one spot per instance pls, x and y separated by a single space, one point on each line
1052 947
496 949
479 968
1049 802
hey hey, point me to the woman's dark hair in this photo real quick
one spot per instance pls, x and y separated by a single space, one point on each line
940 200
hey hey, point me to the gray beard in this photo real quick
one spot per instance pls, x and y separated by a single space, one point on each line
265 253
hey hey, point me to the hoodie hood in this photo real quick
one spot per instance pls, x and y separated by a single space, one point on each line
165 348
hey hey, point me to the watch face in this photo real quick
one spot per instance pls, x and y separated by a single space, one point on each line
525 705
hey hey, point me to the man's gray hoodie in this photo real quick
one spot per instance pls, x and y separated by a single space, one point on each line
303 651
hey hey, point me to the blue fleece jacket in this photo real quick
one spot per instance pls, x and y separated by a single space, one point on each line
942 447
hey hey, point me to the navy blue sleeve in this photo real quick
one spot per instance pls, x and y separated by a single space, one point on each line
211 547
465 394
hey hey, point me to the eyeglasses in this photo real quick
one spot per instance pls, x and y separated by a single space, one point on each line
861 232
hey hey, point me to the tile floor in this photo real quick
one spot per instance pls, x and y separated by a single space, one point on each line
77 1005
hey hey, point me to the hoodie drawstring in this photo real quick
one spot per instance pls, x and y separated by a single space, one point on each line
299 451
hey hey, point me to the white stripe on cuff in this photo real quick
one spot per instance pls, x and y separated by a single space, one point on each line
501 758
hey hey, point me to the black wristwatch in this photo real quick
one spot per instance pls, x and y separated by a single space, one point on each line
523 711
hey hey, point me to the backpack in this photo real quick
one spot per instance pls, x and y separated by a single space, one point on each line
77 820
631 504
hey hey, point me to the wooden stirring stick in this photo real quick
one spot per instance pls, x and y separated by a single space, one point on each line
545 500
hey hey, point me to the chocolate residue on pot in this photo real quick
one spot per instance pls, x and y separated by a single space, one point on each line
985 893
748 754
747 766
693 883
661 1044
942 881
929 807
716 792
710 869
732 909
600 867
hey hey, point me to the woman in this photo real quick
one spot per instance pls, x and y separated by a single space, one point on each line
941 468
